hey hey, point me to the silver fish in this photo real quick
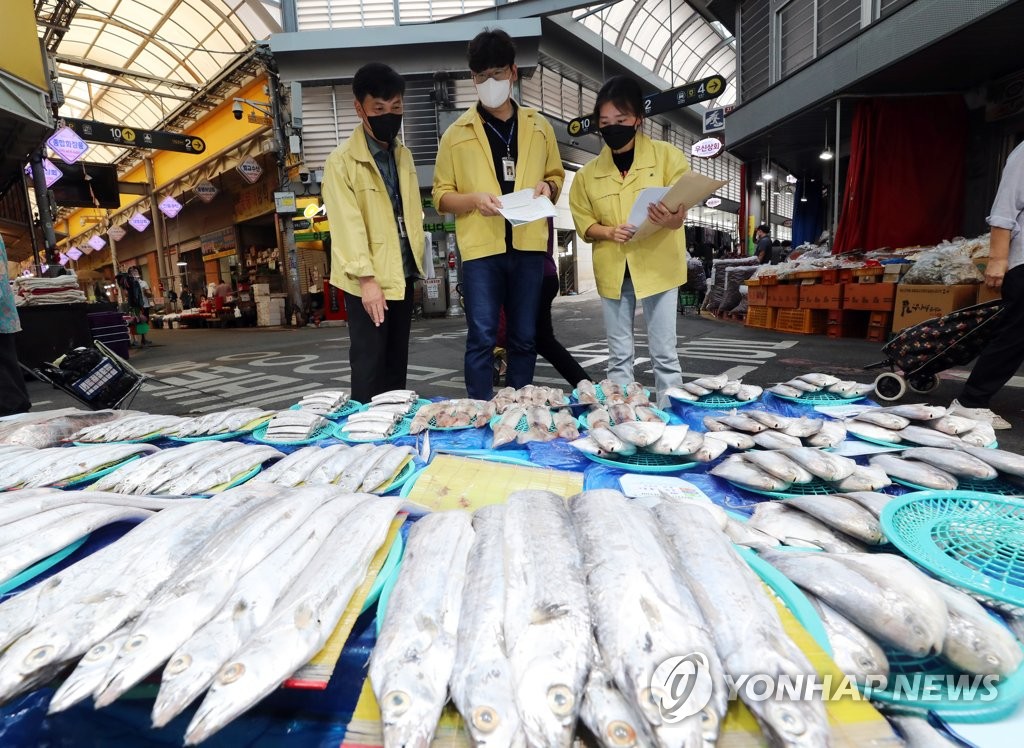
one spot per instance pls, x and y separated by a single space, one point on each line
731 388
695 389
769 419
917 411
31 502
820 380
386 468
856 653
358 471
297 467
982 435
735 470
831 434
482 686
716 382
301 622
607 714
803 427
927 437
748 633
885 595
864 478
873 432
734 439
1003 461
50 428
678 393
589 445
803 387
335 464
192 668
90 671
671 440
741 422
917 473
952 461
711 449
975 641
844 515
777 464
882 419
873 501
953 425
785 390
798 529
743 534
776 440
610 442
639 620
711 423
640 433
547 623
825 465
748 392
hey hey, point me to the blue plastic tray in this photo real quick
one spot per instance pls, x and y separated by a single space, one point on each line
401 479
821 398
346 410
40 566
324 432
386 578
715 402
99 473
817 487
972 540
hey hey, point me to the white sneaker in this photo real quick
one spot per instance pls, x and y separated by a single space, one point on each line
979 414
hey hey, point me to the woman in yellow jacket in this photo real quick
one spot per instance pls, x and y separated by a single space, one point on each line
377 243
651 269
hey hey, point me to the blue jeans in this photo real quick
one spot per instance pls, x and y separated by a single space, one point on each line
511 280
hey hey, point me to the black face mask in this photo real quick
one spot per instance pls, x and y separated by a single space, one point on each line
617 136
385 127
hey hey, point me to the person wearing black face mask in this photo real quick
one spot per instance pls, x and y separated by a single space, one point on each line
369 190
648 270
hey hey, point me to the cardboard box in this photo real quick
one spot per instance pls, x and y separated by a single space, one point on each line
757 295
915 304
869 297
786 296
988 294
821 296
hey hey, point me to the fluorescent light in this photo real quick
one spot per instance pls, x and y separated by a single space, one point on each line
826 155
767 176
803 199
182 264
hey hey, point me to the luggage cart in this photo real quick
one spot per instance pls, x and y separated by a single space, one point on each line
111 383
931 347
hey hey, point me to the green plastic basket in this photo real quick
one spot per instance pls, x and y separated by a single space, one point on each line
99 473
40 566
346 410
385 580
817 487
643 462
821 398
323 432
401 429
970 539
996 487
715 402
401 479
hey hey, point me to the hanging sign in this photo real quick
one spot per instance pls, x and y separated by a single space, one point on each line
132 137
51 172
63 259
285 202
74 253
250 170
96 242
664 101
139 222
117 233
707 148
205 191
66 144
713 202
170 207
714 120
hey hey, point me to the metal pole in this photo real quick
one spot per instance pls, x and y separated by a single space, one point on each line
159 234
32 228
835 179
113 264
43 203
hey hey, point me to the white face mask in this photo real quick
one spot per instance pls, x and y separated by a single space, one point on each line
493 93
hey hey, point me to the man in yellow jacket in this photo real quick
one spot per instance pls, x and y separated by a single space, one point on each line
496 148
373 203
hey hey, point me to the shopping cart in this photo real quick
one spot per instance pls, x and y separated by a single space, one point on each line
96 377
922 351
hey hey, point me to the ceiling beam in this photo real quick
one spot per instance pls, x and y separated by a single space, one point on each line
119 72
521 9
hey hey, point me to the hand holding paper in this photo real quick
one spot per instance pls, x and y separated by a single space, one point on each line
522 207
691 189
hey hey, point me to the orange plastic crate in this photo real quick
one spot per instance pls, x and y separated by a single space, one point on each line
761 316
802 321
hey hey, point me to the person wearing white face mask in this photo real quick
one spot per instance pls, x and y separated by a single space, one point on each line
496 148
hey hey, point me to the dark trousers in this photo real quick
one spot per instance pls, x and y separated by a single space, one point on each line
379 356
13 395
1004 355
512 281
546 342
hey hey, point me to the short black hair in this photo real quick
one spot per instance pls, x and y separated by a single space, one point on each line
622 91
763 228
491 48
377 80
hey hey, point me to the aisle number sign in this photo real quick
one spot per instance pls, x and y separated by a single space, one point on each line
130 137
205 191
250 170
116 233
139 222
170 207
665 101
66 144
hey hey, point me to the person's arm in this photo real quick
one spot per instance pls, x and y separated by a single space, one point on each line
446 196
554 173
588 226
1006 207
350 246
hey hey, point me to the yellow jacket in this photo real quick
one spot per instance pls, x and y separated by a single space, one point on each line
364 234
600 194
465 164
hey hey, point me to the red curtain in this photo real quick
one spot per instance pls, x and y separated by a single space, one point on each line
905 180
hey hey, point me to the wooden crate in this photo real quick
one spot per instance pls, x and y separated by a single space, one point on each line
761 316
802 321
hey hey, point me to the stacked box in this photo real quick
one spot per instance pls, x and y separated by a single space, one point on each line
917 303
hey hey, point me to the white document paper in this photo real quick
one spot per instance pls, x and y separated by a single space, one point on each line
648 195
522 207
691 189
649 489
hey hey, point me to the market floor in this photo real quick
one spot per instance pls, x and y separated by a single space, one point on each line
204 370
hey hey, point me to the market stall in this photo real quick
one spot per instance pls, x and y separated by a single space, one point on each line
542 565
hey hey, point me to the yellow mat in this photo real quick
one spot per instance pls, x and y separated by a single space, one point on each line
318 671
451 482
854 722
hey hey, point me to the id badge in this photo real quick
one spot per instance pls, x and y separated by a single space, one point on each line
401 227
509 167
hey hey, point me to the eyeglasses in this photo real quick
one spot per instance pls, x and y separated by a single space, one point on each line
498 74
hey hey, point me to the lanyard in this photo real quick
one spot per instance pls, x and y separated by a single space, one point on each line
507 141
